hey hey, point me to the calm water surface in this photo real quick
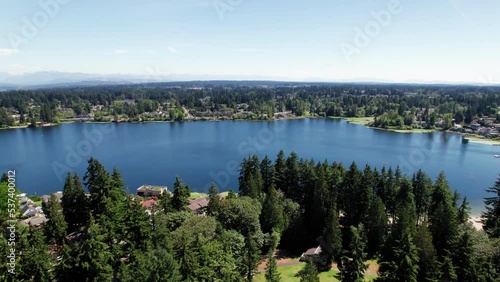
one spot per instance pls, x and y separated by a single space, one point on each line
202 152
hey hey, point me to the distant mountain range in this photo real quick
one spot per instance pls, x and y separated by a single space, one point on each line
53 79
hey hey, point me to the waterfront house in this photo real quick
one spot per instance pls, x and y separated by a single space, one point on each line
151 190
198 206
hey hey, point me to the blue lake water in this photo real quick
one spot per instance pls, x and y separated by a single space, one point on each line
202 152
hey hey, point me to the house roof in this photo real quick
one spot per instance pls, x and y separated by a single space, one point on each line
148 204
198 203
313 251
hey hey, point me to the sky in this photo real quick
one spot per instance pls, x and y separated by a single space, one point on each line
455 41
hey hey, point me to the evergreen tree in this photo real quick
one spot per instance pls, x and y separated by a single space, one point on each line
447 269
55 228
463 211
267 172
35 262
465 260
491 218
215 203
74 203
352 267
5 178
309 273
180 195
331 239
280 172
376 226
250 180
443 221
272 217
428 264
272 274
89 260
97 180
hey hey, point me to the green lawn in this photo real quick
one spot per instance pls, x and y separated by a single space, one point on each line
288 274
196 195
357 120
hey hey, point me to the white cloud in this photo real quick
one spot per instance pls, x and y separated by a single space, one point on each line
8 52
121 51
172 49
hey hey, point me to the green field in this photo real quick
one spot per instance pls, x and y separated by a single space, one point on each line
196 195
288 274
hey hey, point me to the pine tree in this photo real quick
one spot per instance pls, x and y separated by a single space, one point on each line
35 263
267 172
272 274
422 187
97 180
272 217
352 268
215 203
74 203
180 195
428 261
309 273
464 258
491 218
55 228
463 211
376 226
443 221
280 172
331 239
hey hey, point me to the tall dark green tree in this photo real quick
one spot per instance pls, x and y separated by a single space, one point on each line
98 182
422 187
376 227
272 217
352 267
35 263
331 238
443 220
180 195
267 172
491 217
428 264
55 228
215 202
272 274
309 273
74 203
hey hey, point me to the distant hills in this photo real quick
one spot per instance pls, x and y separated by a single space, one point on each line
54 79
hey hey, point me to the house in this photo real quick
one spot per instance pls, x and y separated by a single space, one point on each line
199 205
311 254
45 198
151 190
22 199
28 211
36 221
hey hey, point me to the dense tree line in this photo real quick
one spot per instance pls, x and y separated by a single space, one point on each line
416 228
394 105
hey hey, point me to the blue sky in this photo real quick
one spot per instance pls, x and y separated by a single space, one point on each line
424 40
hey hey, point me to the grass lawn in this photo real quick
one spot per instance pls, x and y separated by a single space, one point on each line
357 120
224 194
288 274
196 195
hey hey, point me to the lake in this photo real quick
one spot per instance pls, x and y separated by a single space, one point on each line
202 152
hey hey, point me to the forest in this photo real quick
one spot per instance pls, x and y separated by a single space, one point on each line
416 228
399 106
